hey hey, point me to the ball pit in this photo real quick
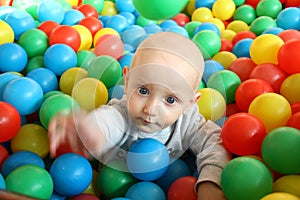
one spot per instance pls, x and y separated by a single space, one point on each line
48 47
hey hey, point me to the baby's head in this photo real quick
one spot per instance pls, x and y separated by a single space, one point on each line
163 79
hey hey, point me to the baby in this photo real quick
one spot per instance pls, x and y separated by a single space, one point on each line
160 95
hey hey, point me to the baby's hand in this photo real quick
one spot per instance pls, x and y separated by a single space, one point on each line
63 133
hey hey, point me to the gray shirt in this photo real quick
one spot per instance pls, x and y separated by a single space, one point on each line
191 131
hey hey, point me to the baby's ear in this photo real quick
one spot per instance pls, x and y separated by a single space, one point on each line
125 76
192 102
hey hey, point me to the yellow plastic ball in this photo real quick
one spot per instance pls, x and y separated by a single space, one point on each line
223 9
104 31
237 26
219 23
85 36
290 88
93 188
211 104
225 58
264 49
31 137
202 14
70 77
272 109
289 184
280 196
6 33
72 2
90 93
191 6
227 34
109 9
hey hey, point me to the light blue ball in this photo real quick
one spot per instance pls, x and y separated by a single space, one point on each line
152 28
2 182
117 22
72 17
129 17
13 57
45 77
5 78
50 10
210 67
289 18
242 48
124 6
145 191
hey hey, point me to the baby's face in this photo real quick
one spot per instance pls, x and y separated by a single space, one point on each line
157 94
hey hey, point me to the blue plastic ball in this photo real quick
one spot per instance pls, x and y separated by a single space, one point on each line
72 17
5 78
145 191
131 33
129 17
59 58
117 22
4 10
50 10
289 18
273 30
148 159
124 6
204 3
20 21
2 182
179 30
71 174
125 60
210 67
20 158
25 94
116 92
207 26
242 48
152 28
13 58
167 24
45 77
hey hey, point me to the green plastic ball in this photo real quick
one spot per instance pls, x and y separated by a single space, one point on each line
246 178
245 13
262 23
269 8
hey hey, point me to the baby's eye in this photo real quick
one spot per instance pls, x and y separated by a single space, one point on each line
143 91
171 100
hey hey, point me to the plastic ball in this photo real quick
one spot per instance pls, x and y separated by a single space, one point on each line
245 139
38 142
107 69
98 4
47 27
86 38
179 30
70 77
20 21
24 94
3 155
2 182
294 121
5 78
35 63
287 184
211 104
114 179
10 121
237 26
145 190
109 9
269 8
225 58
156 10
210 67
13 57
7 33
117 22
177 169
183 188
270 73
190 27
245 13
223 9
142 21
90 93
131 33
273 30
226 82
208 26
295 107
181 19
205 3
287 57
280 196
243 35
50 11
30 180
227 34
116 92
289 34
289 18
208 42
280 150
242 48
148 159
262 23
125 6
65 35
84 58
110 45
45 78
265 48
66 170
104 31
248 90
125 60
88 10
58 103
246 178
59 58
72 17
226 45
290 88
130 17
272 109
92 23
16 160
85 196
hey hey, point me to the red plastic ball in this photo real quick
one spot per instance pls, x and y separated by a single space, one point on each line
3 155
248 90
270 73
232 108
183 188
109 44
243 35
181 19
292 3
65 34
10 121
88 10
289 34
252 3
294 121
226 45
295 107
243 134
242 66
48 26
288 57
92 23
